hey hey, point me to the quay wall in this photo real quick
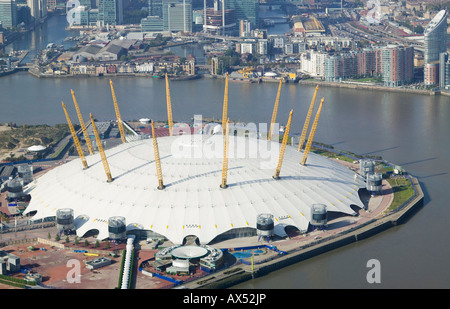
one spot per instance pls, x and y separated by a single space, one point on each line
357 85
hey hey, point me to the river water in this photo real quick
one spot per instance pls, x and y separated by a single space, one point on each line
407 129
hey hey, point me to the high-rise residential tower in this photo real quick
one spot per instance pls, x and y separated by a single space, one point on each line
245 10
177 15
110 12
435 39
8 13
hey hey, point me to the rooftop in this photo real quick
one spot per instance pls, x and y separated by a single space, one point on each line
193 202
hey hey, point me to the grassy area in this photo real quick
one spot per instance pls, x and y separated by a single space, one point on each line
331 155
403 190
16 138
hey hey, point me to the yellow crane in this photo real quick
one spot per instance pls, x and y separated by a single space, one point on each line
75 138
308 119
283 147
246 72
169 106
225 106
101 151
275 111
311 134
224 185
116 108
82 124
157 160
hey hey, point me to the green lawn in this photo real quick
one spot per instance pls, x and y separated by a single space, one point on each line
402 189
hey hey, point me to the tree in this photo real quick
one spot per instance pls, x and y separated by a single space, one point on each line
86 243
97 244
57 238
77 240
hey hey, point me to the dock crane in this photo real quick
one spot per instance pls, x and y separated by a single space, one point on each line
161 185
169 106
83 126
75 138
283 147
308 119
311 134
246 72
225 106
275 111
101 151
224 185
119 118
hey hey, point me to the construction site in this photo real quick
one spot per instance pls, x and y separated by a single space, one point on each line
169 205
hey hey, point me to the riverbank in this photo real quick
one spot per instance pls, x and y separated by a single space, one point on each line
317 245
349 85
357 86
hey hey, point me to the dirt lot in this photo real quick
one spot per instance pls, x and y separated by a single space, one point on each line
53 264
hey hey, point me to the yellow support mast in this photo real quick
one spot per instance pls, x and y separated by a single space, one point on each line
283 147
275 111
308 119
224 185
116 108
157 160
100 150
82 124
75 138
225 106
169 106
311 134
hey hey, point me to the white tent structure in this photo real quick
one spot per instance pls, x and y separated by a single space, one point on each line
192 202
36 148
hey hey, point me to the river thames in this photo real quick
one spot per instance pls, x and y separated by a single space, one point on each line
407 129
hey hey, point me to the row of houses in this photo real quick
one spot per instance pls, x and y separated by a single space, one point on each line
101 69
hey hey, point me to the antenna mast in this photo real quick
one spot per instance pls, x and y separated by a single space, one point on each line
83 126
100 150
157 160
308 119
283 147
311 134
275 110
75 138
116 107
225 156
225 106
169 106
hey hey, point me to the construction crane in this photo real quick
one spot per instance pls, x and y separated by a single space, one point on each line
157 160
311 134
83 126
275 110
308 119
283 147
75 138
100 150
246 72
225 106
169 106
119 119
224 185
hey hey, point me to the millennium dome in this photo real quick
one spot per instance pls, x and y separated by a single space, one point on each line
192 202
